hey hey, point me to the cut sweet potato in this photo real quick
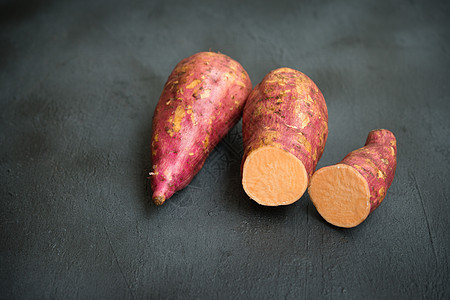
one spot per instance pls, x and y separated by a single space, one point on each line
346 193
285 128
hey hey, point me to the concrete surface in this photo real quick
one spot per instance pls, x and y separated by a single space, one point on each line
79 81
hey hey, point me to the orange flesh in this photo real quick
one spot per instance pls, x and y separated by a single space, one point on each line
341 195
272 176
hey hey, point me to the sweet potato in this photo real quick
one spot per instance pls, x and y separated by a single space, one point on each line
285 128
202 99
346 193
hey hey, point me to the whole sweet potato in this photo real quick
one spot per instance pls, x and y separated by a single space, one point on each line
346 193
202 100
285 128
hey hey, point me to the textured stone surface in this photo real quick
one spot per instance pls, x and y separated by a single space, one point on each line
79 81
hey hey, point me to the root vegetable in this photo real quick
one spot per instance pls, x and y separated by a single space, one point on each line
202 99
285 128
346 193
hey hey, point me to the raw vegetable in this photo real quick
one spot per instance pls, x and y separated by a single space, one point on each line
346 193
202 99
285 128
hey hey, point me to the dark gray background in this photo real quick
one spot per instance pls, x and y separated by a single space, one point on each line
79 81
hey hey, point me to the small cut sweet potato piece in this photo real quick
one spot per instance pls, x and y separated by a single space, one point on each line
346 193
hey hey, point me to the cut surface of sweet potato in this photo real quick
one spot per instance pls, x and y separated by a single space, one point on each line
272 176
341 195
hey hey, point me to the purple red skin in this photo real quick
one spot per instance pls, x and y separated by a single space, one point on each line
201 101
376 162
286 110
